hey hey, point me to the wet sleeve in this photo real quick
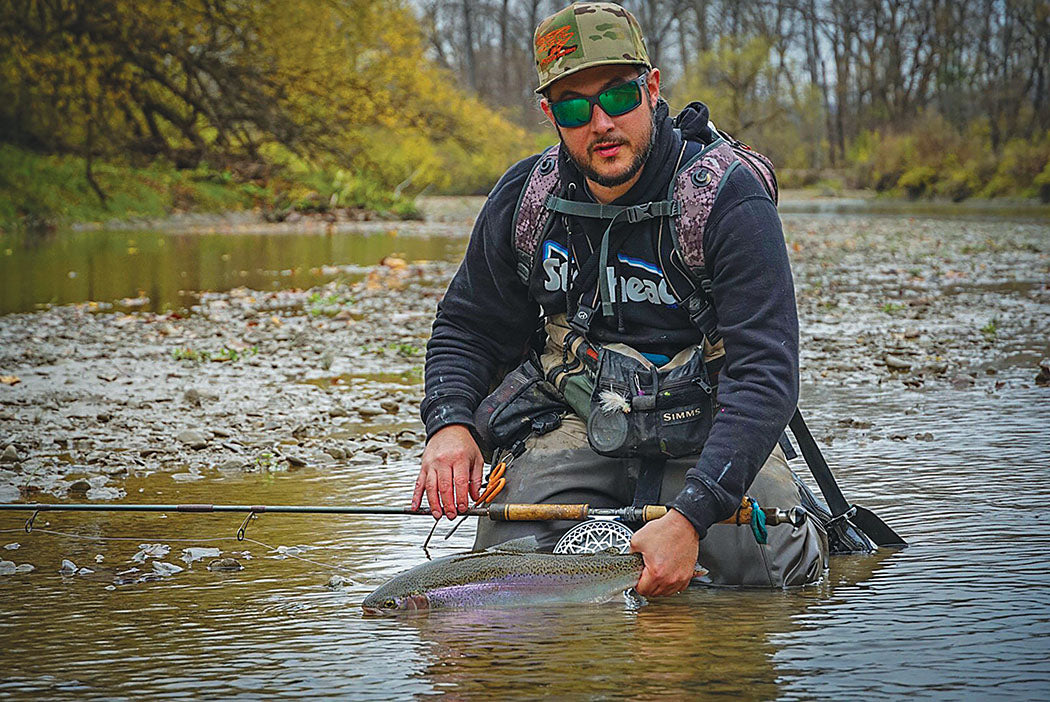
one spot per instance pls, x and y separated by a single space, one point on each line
485 318
758 384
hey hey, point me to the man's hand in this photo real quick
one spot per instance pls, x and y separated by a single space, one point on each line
669 547
451 469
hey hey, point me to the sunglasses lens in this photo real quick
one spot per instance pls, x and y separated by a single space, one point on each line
620 99
571 113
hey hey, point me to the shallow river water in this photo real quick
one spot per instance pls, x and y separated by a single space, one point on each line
963 613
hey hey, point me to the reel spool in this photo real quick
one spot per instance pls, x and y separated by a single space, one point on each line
595 535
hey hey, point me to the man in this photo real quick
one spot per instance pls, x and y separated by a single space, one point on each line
619 146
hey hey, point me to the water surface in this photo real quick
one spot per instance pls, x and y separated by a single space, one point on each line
960 471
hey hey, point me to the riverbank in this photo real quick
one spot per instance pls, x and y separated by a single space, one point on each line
274 380
46 192
52 192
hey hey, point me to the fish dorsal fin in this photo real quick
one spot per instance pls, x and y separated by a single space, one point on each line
525 544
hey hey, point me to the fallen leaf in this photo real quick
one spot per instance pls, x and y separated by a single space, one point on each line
10 379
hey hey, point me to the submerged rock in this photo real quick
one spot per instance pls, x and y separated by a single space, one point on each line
338 582
225 565
10 455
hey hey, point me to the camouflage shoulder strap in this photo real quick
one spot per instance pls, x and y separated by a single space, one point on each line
531 216
696 187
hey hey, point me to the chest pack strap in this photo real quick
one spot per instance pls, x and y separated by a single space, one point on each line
594 210
690 198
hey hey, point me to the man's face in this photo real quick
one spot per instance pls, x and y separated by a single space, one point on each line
610 151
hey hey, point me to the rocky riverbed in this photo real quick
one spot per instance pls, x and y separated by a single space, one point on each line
249 380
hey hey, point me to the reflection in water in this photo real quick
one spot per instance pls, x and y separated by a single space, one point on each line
110 266
705 641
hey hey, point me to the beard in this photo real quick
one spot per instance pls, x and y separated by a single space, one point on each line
611 181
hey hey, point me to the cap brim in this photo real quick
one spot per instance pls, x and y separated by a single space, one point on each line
604 62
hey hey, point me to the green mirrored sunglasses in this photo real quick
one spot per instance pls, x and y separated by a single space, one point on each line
615 101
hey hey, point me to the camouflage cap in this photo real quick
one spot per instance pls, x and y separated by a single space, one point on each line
587 34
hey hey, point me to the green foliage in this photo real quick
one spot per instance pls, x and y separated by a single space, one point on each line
406 349
933 158
40 188
302 104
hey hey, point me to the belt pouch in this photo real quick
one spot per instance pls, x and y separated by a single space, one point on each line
523 404
638 410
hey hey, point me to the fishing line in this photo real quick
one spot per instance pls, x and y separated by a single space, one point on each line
195 541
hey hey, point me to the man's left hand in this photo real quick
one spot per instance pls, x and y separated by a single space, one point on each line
668 545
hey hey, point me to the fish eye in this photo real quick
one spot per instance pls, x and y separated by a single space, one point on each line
389 604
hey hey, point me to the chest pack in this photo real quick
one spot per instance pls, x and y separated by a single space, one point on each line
690 198
632 408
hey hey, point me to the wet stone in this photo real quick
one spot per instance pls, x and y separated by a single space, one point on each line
338 582
165 568
196 553
193 438
896 363
10 455
105 493
80 487
336 452
225 565
68 567
7 567
1042 378
150 551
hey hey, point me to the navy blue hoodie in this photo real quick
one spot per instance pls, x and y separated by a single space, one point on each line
487 316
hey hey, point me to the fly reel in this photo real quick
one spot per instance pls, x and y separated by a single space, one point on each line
595 535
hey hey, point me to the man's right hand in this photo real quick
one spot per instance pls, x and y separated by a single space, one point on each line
451 469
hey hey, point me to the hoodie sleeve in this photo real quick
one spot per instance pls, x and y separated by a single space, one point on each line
758 383
485 318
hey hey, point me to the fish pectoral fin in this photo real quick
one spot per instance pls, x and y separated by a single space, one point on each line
524 544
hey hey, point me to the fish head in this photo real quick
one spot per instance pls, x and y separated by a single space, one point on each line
387 603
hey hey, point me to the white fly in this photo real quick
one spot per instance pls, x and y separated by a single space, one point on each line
611 401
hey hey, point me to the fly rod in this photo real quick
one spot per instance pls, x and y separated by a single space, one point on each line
499 512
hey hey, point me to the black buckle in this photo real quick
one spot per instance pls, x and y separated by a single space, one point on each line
651 210
639 212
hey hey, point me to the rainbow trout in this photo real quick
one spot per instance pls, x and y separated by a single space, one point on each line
507 575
